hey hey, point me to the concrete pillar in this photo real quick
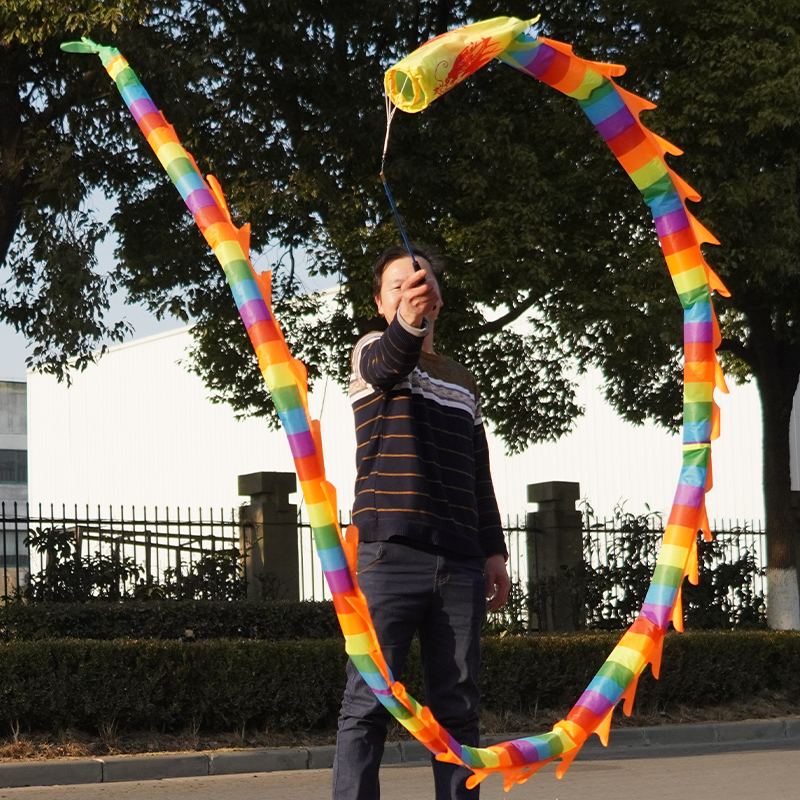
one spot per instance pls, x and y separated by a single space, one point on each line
269 536
555 550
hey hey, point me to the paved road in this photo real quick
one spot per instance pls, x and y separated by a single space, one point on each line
769 771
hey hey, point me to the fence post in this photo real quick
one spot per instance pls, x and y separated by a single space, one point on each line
555 544
268 536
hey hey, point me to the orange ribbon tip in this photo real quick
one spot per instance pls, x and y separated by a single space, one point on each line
243 235
636 103
684 190
604 727
216 190
655 656
677 612
629 694
691 568
264 282
666 146
702 234
608 70
566 762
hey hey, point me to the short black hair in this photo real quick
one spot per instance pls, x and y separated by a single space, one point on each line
400 251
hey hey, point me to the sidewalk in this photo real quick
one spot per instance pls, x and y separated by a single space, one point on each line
623 743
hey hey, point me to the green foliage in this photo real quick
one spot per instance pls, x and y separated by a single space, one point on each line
241 85
724 595
608 589
625 574
55 136
231 685
214 576
189 620
724 75
512 618
215 685
503 174
520 674
24 22
541 227
70 577
698 669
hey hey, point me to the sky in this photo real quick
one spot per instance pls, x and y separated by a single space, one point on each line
12 354
14 348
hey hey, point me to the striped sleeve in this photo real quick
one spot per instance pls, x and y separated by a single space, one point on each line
384 359
490 528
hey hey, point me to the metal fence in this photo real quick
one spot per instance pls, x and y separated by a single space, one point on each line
621 554
163 543
733 541
601 540
312 580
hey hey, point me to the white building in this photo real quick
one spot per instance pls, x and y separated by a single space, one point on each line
13 443
137 429
13 484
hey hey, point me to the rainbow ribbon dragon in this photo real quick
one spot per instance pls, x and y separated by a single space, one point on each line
286 379
614 113
415 82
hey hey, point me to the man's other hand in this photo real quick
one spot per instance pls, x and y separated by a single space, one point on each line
497 582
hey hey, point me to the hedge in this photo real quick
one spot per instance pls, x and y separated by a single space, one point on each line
172 619
215 685
698 669
296 686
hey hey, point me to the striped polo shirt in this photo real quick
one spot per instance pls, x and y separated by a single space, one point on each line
422 457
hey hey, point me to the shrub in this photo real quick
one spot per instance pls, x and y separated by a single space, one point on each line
215 685
607 591
214 576
69 577
296 686
174 619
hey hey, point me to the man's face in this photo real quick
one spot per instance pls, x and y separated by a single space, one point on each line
395 274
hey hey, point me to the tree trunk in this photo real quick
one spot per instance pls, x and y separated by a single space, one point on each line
11 172
777 387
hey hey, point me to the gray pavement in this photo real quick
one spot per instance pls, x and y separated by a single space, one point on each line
726 760
752 774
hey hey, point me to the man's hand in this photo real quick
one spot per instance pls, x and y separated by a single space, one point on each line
497 582
420 298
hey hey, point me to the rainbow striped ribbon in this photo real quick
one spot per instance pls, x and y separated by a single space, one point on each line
287 381
614 113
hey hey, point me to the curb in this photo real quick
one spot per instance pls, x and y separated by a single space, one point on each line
625 742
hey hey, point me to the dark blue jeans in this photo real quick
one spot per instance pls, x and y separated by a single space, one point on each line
443 600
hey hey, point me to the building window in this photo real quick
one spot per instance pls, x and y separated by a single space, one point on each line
13 466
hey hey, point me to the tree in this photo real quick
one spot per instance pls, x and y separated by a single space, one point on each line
474 211
725 76
748 167
50 152
241 82
552 257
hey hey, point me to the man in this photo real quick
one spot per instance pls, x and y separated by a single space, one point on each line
431 554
